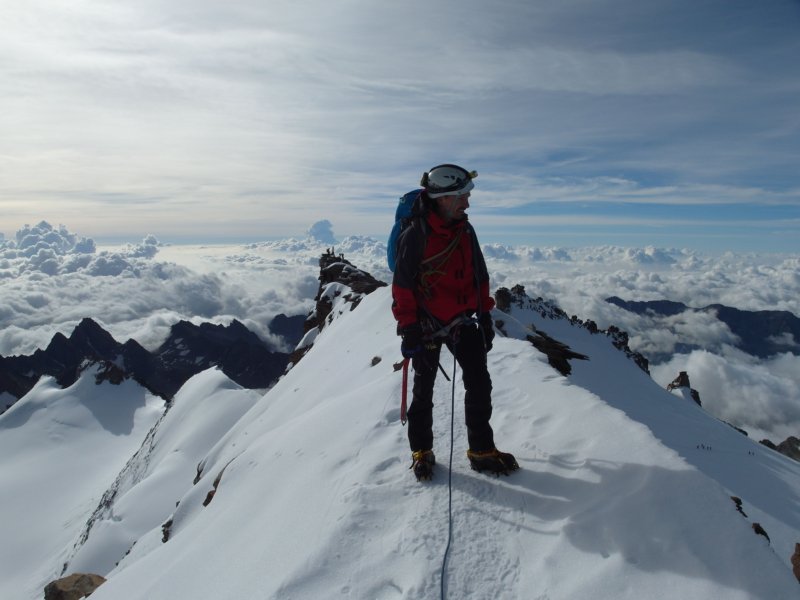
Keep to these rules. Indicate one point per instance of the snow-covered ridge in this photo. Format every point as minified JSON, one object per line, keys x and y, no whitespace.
{"x":159,"y":473}
{"x":624,"y":488}
{"x":324,"y":450}
{"x":548,"y":310}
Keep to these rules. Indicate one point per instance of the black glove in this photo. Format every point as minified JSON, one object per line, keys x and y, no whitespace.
{"x":412,"y":340}
{"x":487,"y":328}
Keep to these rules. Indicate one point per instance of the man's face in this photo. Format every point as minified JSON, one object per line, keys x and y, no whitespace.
{"x":453,"y":208}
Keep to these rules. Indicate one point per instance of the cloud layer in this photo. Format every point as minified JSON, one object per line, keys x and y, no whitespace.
{"x":50,"y":278}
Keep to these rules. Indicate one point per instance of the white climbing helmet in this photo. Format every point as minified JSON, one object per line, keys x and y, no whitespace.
{"x":447,"y":180}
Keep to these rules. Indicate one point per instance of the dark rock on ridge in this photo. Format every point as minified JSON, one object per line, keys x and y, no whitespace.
{"x":682,"y":381}
{"x":338,"y":277}
{"x":789,"y":447}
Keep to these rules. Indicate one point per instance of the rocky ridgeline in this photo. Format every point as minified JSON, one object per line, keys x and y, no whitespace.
{"x":557,"y":353}
{"x":188,"y":350}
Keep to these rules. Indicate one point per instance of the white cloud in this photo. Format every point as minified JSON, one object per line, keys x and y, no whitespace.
{"x":43,"y":248}
{"x":322,"y":231}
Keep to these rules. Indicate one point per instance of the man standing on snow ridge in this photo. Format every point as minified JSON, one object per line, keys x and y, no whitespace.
{"x":441,"y":295}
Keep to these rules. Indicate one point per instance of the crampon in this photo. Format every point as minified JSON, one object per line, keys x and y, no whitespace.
{"x":422,"y":462}
{"x":493,"y":461}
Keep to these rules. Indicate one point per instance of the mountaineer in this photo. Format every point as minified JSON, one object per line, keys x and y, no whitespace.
{"x":441,"y":296}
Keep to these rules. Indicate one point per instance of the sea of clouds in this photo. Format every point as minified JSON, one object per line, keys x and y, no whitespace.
{"x":51,"y":278}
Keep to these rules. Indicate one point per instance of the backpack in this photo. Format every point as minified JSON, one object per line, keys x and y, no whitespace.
{"x":407,"y":208}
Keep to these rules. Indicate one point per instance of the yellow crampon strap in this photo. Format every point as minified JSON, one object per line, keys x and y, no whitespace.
{"x":418,"y":456}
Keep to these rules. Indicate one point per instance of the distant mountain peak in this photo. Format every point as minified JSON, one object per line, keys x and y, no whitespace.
{"x":189,"y":349}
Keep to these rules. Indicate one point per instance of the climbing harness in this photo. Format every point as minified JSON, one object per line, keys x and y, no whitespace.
{"x":446,"y":331}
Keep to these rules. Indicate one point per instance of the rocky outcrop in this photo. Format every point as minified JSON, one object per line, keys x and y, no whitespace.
{"x":340,"y":283}
{"x":796,"y":561}
{"x":789,"y":447}
{"x":682,"y":382}
{"x":757,"y":528}
{"x":73,"y":587}
{"x":558,"y":354}
{"x":335,"y":269}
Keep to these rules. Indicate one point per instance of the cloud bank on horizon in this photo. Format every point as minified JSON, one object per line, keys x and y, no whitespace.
{"x":611,"y":122}
{"x":51,"y":278}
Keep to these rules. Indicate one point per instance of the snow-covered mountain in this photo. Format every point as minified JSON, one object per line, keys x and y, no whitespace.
{"x":304,"y":492}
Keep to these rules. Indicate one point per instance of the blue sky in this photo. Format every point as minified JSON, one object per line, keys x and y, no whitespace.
{"x":675,"y":124}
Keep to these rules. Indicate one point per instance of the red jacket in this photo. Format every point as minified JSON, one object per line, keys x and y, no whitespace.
{"x":455,"y":281}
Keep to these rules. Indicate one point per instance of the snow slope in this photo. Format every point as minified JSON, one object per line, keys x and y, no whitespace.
{"x":614,"y":499}
{"x":59,"y":451}
{"x":145,"y":493}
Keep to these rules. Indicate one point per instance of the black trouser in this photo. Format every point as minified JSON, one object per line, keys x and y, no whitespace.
{"x":467,"y":346}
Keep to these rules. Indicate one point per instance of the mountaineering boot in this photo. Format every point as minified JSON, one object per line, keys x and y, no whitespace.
{"x":422,"y":462}
{"x":493,"y":460}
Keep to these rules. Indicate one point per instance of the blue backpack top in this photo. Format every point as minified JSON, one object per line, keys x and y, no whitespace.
{"x":402,"y":217}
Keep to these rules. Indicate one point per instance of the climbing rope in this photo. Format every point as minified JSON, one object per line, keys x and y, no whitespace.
{"x":450,"y":475}
{"x":429,"y":270}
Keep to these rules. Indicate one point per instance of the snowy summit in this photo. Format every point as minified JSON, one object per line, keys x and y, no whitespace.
{"x":625,"y":489}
